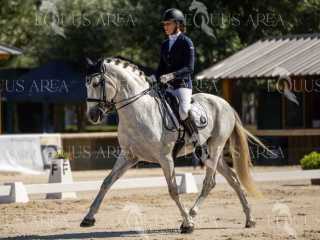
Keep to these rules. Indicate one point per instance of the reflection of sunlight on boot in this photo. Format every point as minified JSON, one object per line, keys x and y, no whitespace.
{"x":282,"y":211}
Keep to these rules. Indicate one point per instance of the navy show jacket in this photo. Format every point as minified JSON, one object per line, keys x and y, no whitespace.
{"x":179,"y":61}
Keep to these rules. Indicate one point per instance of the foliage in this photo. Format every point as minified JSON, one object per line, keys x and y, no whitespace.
{"x":311,"y":161}
{"x":131,"y":28}
{"x":61,"y":154}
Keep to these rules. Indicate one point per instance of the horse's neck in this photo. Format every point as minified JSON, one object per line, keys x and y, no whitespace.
{"x":143,"y":109}
{"x":129,"y":87}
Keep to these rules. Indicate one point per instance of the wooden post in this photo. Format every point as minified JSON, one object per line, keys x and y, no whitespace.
{"x":58,"y":117}
{"x":0,"y":113}
{"x":81,"y":117}
{"x":4,"y":56}
{"x":227,"y":89}
{"x":2,"y":89}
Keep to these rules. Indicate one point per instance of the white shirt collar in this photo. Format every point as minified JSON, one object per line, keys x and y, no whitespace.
{"x":174,"y":36}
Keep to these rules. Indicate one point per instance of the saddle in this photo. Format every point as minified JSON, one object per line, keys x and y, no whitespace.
{"x":197,"y":110}
{"x":172,"y":121}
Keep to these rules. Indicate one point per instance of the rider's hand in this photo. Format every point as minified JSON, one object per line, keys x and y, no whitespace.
{"x":166,"y":77}
{"x":152,"y":79}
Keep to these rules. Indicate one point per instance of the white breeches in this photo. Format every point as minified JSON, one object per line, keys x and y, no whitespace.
{"x":184,"y":95}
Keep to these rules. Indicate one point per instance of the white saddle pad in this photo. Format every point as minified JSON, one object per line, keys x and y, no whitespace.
{"x":198,"y":112}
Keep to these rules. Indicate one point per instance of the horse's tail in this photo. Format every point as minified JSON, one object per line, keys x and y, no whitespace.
{"x":239,"y":149}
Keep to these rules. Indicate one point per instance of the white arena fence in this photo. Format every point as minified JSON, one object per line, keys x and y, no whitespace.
{"x":186,"y":182}
{"x":27,"y":153}
{"x":32,"y":153}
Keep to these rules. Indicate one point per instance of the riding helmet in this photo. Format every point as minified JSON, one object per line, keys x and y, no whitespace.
{"x":175,"y":15}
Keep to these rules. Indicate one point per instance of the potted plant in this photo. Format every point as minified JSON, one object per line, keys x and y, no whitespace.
{"x":61,"y":155}
{"x":311,"y":161}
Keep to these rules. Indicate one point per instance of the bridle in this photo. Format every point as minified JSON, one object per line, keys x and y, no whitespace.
{"x":102,"y":101}
{"x":106,"y":106}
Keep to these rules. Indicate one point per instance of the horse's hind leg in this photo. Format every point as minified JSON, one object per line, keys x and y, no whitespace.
{"x":232,"y":179}
{"x":209,"y":183}
{"x":124,"y":162}
{"x":215,"y":151}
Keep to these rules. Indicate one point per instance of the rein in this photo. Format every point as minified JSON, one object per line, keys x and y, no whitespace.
{"x":104,"y":103}
{"x":106,"y":106}
{"x":132,"y":99}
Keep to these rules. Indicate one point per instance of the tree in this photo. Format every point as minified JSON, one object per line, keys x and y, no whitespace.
{"x":132,"y":29}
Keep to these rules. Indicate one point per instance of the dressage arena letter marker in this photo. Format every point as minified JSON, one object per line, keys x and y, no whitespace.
{"x":65,"y":166}
{"x":54,"y":167}
{"x":60,"y":172}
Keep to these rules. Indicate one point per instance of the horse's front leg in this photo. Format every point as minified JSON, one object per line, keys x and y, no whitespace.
{"x":167,"y":165}
{"x":124,"y":161}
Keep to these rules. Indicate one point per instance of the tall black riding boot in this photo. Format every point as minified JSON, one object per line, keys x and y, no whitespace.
{"x":191,"y":128}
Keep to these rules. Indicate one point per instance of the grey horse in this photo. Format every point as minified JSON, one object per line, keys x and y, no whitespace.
{"x":143,"y":137}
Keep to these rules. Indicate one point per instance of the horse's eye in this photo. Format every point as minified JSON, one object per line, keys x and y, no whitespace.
{"x":88,"y":80}
{"x":95,"y":84}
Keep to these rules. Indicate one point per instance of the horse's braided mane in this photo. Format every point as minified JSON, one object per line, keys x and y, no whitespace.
{"x":124,"y":63}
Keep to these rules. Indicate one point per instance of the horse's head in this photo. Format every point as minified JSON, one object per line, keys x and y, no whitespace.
{"x":101,"y":90}
{"x":110,"y":82}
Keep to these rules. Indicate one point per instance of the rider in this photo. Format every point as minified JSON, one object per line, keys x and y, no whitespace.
{"x":176,"y":66}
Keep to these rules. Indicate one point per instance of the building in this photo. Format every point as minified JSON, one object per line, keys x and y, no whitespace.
{"x":41,"y":99}
{"x":5,"y":53}
{"x":283,"y":106}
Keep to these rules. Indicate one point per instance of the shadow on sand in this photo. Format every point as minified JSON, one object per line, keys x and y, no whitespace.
{"x":104,"y":234}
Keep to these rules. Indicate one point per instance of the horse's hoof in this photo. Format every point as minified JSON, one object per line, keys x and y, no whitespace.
{"x":250,"y":224}
{"x":185,"y":230}
{"x":193,"y":212}
{"x":86,"y":222}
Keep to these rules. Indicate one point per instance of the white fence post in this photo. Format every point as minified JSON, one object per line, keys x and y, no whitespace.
{"x":18,"y":193}
{"x":188,"y":183}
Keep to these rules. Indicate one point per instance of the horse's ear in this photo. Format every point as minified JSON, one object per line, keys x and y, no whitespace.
{"x":89,"y":62}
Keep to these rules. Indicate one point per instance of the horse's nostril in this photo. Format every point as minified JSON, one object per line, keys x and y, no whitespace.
{"x":94,"y":115}
{"x":91,"y":114}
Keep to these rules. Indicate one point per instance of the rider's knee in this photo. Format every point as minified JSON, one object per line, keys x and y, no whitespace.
{"x":184,"y":112}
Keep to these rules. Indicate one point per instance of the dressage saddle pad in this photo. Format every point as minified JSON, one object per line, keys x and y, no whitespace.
{"x":198,"y":112}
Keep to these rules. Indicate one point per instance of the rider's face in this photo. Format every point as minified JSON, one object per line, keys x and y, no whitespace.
{"x":169,"y":27}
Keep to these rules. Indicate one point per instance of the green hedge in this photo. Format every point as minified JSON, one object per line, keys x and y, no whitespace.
{"x":311,"y":161}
